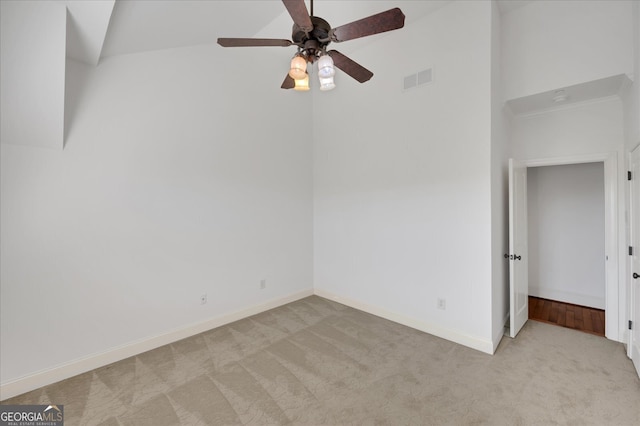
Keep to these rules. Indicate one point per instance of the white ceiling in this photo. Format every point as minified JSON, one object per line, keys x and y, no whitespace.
{"x":506,"y":6}
{"x":138,"y":26}
{"x":102,"y":28}
{"x":86,"y":28}
{"x":143,"y":25}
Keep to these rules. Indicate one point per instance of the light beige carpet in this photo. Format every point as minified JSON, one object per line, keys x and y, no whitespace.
{"x":316,"y":362}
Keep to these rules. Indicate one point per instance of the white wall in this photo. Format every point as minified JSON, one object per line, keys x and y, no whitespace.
{"x":402,"y":179}
{"x":631,"y":103}
{"x":587,"y":128}
{"x":553,"y":44}
{"x":566,"y":233}
{"x":632,"y":95}
{"x":581,"y":130}
{"x":32,"y":73}
{"x":174,"y":182}
{"x":499,"y":186}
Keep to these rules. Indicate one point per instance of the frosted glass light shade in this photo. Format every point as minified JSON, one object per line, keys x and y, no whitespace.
{"x":302,"y":84}
{"x":298,"y":68}
{"x":325,"y":67}
{"x":327,"y":83}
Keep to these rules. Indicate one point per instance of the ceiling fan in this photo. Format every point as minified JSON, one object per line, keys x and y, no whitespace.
{"x":312,"y":34}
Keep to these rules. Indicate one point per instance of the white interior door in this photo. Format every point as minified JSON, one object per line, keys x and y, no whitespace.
{"x":518,"y":253}
{"x":635,"y":258}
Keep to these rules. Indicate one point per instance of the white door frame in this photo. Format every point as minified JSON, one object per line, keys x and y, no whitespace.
{"x":612,"y":293}
{"x":632,"y":286}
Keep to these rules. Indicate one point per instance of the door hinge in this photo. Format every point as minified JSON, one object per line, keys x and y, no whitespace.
{"x":630,"y":325}
{"x":629,"y":175}
{"x":630,"y":251}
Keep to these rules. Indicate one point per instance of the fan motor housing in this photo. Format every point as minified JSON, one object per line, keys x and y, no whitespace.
{"x":320,"y":32}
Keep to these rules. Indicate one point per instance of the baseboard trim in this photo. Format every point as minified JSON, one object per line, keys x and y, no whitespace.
{"x":473,"y":342}
{"x":88,"y":363}
{"x":567,"y":297}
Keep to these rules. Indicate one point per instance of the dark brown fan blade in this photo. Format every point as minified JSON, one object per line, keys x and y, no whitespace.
{"x":350,"y":67}
{"x":299,"y":13}
{"x":288,"y":83}
{"x":252,"y":42}
{"x":392,"y":19}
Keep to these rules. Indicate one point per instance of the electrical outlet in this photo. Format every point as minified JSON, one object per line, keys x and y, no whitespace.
{"x":263,"y":284}
{"x":203,"y":299}
{"x":442,"y":304}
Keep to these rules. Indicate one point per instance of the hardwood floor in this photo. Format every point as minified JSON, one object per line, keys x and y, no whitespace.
{"x":589,"y":320}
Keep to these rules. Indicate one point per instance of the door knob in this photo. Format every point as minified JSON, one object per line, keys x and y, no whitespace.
{"x":635,"y":276}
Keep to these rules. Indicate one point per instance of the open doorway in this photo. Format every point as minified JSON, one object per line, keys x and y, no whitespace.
{"x":518,"y":238}
{"x":566,"y":245}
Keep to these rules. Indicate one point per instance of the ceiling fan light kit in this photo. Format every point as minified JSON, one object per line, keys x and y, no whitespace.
{"x":302,"y":84}
{"x":327,"y":84}
{"x":325,"y":67}
{"x":312,"y":35}
{"x":298,"y":68}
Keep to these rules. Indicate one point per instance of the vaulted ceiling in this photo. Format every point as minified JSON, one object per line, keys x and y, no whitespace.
{"x":143,"y":25}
